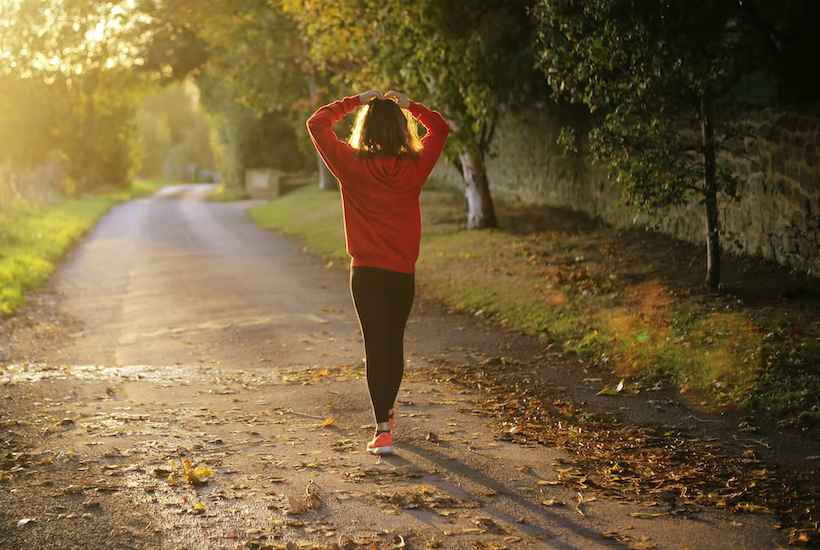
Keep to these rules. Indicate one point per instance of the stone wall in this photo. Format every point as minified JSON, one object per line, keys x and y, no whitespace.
{"x":778,"y":217}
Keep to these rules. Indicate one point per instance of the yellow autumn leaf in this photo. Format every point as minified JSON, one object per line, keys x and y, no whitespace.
{"x":203,"y":473}
{"x":328,"y":422}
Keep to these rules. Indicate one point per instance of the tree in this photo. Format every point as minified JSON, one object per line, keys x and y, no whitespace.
{"x":470,"y":59}
{"x":26,"y":114}
{"x":80,"y":55}
{"x":247,"y":60}
{"x":242,"y":139}
{"x":173,"y":132}
{"x":652,"y":72}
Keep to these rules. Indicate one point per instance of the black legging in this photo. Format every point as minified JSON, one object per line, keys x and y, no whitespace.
{"x":383,"y":300}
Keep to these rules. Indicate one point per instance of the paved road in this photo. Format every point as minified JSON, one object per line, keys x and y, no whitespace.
{"x":203,"y":338}
{"x":166,"y":271}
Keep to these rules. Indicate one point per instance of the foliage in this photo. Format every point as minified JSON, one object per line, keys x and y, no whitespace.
{"x":27,"y":109}
{"x":241,"y":139}
{"x":471,"y":60}
{"x":644,"y":72}
{"x":653,"y":75}
{"x":173,"y":132}
{"x":245,"y":57}
{"x":75,"y":57}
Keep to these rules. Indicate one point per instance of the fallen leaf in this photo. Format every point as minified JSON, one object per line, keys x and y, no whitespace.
{"x":297,"y":506}
{"x":196,"y":475}
{"x":584,"y":500}
{"x":753,"y":508}
{"x":548,"y":482}
{"x":608,"y":390}
{"x":799,"y":537}
{"x":328,"y":422}
{"x":25,"y":521}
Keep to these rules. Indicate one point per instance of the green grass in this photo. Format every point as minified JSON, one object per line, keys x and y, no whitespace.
{"x":311,"y":215}
{"x":228,"y":194}
{"x":35,"y":237}
{"x":713,"y":349}
{"x":143,"y":187}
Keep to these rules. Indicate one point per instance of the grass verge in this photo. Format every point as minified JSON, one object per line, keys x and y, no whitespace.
{"x":627,"y":300}
{"x":228,"y":194}
{"x":35,"y":237}
{"x":311,"y":215}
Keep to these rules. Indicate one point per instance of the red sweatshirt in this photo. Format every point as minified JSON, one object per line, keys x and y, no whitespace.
{"x":380,"y":195}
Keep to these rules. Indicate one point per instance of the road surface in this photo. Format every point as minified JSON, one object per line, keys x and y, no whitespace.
{"x":195,"y":336}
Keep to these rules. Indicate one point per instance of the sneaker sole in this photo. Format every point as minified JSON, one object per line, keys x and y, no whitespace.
{"x":381,"y":450}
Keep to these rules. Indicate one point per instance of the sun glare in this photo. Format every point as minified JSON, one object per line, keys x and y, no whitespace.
{"x":71,"y":38}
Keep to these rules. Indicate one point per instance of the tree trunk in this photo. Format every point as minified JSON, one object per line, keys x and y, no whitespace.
{"x":710,"y":198}
{"x":327,"y":181}
{"x":480,"y":210}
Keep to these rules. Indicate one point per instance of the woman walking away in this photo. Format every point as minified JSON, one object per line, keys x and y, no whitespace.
{"x":382,"y":169}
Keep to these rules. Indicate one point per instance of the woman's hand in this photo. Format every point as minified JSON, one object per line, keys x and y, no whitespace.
{"x":401,"y":99}
{"x":369,"y":95}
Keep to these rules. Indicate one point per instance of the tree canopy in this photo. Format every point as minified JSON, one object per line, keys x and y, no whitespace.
{"x":74,"y":59}
{"x":471,"y":60}
{"x":651,"y":74}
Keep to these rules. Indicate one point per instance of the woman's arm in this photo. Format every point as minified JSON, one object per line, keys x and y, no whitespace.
{"x":334,"y":152}
{"x":437,"y":130}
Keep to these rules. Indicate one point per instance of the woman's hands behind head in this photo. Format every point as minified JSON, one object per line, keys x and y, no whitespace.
{"x":398,"y":97}
{"x":370,"y":95}
{"x":401,"y":99}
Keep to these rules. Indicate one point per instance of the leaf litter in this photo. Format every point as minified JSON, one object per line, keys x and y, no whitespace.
{"x":422,"y":497}
{"x":660,"y":463}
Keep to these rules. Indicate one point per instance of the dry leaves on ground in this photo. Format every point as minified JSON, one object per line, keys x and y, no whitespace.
{"x":622,"y":461}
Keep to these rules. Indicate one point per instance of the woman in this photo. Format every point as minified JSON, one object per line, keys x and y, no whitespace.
{"x":381,"y":169}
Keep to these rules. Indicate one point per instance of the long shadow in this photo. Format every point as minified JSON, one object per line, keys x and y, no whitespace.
{"x":445,"y":463}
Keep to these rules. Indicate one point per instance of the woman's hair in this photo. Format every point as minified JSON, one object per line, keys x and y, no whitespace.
{"x":384,"y":129}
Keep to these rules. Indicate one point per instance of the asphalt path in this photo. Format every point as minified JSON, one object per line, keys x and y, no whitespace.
{"x":200,"y":337}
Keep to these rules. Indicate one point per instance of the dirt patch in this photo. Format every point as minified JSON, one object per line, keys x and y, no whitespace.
{"x":38,"y":332}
